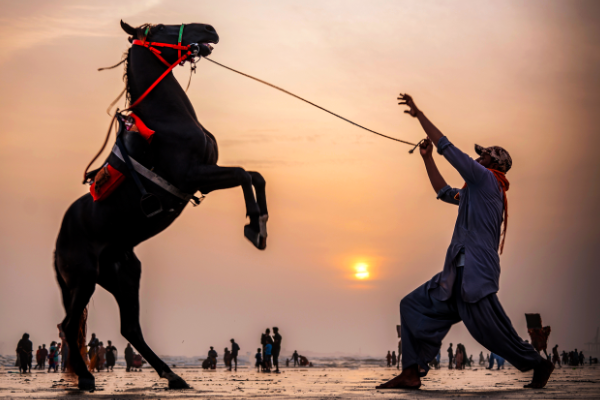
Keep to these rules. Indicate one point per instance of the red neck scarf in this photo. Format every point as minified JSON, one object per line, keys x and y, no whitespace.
{"x":504,"y":184}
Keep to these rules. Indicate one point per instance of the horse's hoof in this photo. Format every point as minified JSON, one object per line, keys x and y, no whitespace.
{"x":178,"y":383}
{"x":175,"y":381}
{"x":262,"y":222}
{"x":259,"y":241}
{"x":87,"y":384}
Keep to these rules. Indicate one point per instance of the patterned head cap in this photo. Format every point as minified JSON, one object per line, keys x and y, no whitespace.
{"x":498,"y":154}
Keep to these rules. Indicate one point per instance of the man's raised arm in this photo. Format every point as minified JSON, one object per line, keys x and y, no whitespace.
{"x":432,"y":132}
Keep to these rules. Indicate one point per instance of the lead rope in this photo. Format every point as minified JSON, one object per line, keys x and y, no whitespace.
{"x":313,"y":104}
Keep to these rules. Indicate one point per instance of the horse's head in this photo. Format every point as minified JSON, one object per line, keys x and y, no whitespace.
{"x":201,"y":34}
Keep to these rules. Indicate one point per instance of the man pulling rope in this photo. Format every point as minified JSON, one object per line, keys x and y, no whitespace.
{"x":466,"y":288}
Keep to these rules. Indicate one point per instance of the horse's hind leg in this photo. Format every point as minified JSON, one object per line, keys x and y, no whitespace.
{"x":77,"y":291}
{"x":120,"y":272}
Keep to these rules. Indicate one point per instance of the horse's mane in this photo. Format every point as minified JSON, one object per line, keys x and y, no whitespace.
{"x":140,"y":36}
{"x":126,"y":76}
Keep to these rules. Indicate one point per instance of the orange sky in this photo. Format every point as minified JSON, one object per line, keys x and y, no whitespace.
{"x":522,"y":75}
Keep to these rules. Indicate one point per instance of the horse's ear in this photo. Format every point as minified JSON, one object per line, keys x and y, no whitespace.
{"x":129,"y":29}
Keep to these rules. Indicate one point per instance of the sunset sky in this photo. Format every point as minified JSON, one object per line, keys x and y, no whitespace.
{"x":521,"y":75}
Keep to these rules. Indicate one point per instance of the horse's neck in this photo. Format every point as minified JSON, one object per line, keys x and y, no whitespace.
{"x":167,"y":101}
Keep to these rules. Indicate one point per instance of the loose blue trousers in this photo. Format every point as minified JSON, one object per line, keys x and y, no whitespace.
{"x":426,"y":321}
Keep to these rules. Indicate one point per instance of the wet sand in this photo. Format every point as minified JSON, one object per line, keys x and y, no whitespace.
{"x":304,"y":383}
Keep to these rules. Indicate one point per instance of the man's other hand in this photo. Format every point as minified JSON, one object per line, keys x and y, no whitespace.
{"x":407,"y":100}
{"x":426,"y":148}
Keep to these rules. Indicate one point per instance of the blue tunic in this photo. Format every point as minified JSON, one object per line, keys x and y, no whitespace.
{"x":477,"y":229}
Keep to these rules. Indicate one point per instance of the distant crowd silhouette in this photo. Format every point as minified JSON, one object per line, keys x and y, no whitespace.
{"x":458,"y":359}
{"x":96,"y":356}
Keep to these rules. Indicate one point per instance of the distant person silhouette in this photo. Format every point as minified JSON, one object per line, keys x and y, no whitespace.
{"x":450,"y":356}
{"x":92,"y":352}
{"x":556,"y":356}
{"x":111,"y":356}
{"x":57,"y":354}
{"x":394,"y":359}
{"x":44,"y":355}
{"x":399,"y":351}
{"x":264,"y":339}
{"x":52,"y":357}
{"x":101,"y":356}
{"x":227,"y":358}
{"x":267,"y":356}
{"x":235,"y":348}
{"x":128,"y":356}
{"x":276,"y":348}
{"x":258,"y":358}
{"x":500,"y":361}
{"x":481,"y":358}
{"x":25,"y":352}
{"x":459,"y":357}
{"x":581,"y":359}
{"x":295,"y":358}
{"x":38,"y":361}
{"x":212,"y":356}
{"x":388,"y":358}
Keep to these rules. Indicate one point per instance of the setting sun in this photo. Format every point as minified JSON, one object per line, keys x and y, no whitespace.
{"x":362,"y":271}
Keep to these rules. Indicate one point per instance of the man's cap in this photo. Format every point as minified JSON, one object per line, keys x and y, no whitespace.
{"x":498,"y":154}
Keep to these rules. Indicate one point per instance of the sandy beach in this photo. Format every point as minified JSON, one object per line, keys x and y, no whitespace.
{"x":306,"y":383}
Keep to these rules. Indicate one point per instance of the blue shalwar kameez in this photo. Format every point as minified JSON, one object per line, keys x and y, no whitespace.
{"x":466,"y":288}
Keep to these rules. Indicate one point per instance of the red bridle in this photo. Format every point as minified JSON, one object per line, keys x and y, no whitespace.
{"x":152,"y":46}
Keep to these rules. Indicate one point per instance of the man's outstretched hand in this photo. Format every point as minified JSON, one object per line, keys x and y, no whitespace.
{"x":406,"y":99}
{"x":426,"y":148}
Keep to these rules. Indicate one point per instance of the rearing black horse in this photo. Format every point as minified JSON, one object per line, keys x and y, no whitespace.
{"x":96,"y":240}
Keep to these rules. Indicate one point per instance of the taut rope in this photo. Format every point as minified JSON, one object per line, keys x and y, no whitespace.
{"x":313,"y":104}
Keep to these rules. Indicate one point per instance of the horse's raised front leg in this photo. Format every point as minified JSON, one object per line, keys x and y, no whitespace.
{"x":259,"y":184}
{"x":120,"y":272}
{"x":213,"y":177}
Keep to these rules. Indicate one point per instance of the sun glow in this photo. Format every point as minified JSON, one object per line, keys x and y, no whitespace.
{"x":362,"y":271}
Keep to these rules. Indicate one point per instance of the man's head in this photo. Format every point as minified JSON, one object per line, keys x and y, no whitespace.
{"x":109,"y":343}
{"x":93,"y":335}
{"x":494,"y":157}
{"x":232,"y":341}
{"x":211,"y":347}
{"x":40,"y":347}
{"x":43,"y":346}
{"x":268,"y":331}
{"x":275,"y":329}
{"x":26,"y":336}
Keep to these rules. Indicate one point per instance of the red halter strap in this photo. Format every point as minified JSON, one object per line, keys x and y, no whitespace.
{"x":152,"y":47}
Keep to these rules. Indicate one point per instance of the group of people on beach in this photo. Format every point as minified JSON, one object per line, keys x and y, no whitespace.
{"x":230,"y":358}
{"x":459,"y":359}
{"x":267,"y":357}
{"x":57,"y":355}
{"x":97,"y":356}
{"x":100,"y":357}
{"x":571,"y":358}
